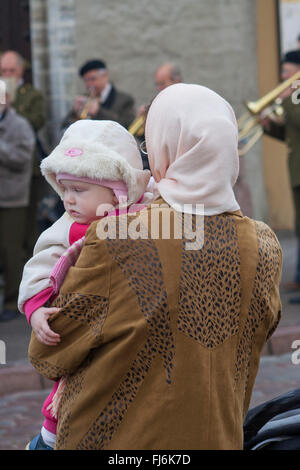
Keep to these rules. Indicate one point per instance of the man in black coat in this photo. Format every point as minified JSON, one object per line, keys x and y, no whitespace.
{"x":104,"y":101}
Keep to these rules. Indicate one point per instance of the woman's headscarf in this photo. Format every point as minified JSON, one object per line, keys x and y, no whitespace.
{"x":192,"y":144}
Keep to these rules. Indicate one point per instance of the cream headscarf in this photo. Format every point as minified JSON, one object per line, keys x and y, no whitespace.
{"x":192,"y":143}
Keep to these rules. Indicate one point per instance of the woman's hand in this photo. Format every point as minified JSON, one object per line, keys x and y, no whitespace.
{"x":40,"y":326}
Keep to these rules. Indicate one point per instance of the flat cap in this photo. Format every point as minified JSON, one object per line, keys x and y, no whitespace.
{"x":292,"y":57}
{"x":94,"y":64}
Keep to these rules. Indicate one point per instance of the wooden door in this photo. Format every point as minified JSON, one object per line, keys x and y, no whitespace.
{"x":15,"y":30}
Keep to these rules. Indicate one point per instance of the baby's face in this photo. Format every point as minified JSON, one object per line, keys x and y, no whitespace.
{"x":81,"y":200}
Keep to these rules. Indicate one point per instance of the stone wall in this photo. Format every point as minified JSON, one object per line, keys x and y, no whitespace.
{"x":213,"y":42}
{"x":54,"y":57}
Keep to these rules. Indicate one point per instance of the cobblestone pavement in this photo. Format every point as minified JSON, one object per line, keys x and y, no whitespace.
{"x":276,"y":375}
{"x":21,"y":419}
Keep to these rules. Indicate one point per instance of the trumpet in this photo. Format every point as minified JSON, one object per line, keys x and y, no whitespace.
{"x":84,"y":114}
{"x":250,"y":129}
{"x":137,"y":127}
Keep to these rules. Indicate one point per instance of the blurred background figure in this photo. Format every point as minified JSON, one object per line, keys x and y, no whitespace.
{"x":287,"y":130}
{"x":29,"y":103}
{"x":104,"y":100}
{"x":17,"y":141}
{"x":165,"y":75}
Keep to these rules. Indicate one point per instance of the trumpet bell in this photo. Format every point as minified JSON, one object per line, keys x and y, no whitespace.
{"x":270,"y":105}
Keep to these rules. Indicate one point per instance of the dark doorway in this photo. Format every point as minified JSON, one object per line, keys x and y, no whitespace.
{"x":15,"y":30}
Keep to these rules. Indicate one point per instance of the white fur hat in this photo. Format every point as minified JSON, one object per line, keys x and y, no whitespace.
{"x":98,"y":150}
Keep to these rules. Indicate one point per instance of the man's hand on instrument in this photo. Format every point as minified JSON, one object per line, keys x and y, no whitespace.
{"x":93,"y":107}
{"x":79,"y":103}
{"x":265,"y":121}
{"x":286,"y":93}
{"x":141,"y":110}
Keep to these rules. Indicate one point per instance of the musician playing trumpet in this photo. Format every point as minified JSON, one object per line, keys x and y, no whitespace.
{"x":165,"y":75}
{"x":287,"y":129}
{"x":103,"y":100}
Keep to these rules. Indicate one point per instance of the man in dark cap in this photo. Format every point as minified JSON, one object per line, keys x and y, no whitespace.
{"x":104,"y":101}
{"x":289,"y":132}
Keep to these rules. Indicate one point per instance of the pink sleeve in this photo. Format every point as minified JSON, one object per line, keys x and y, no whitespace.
{"x":76,"y":232}
{"x":37,"y":301}
{"x":50,"y":423}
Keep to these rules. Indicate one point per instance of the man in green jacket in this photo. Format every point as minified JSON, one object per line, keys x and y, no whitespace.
{"x":289,"y":131}
{"x":29,"y":103}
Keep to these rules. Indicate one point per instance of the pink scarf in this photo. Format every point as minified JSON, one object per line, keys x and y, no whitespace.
{"x":192,"y":143}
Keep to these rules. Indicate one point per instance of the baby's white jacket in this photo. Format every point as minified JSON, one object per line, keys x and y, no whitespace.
{"x":49,"y":247}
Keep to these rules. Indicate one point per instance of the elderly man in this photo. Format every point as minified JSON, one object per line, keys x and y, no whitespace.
{"x":104,"y":101}
{"x":167,"y":74}
{"x":16,"y":152}
{"x":28,"y":103}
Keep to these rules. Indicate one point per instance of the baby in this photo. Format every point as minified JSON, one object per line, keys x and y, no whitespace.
{"x":96,"y":163}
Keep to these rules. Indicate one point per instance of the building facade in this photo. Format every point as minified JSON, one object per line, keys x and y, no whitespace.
{"x":218,"y":44}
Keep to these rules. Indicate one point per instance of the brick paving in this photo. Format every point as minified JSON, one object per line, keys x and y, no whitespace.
{"x":20,"y":418}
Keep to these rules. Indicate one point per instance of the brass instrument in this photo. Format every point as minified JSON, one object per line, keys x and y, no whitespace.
{"x":84,"y":112}
{"x":137,"y":127}
{"x":250,"y":129}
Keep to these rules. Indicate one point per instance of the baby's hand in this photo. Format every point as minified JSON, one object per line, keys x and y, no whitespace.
{"x":39,"y":323}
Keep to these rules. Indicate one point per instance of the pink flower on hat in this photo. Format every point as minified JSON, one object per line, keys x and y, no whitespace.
{"x":74,"y":152}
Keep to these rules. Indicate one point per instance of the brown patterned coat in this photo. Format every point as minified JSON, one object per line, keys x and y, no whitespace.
{"x":161,"y":343}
